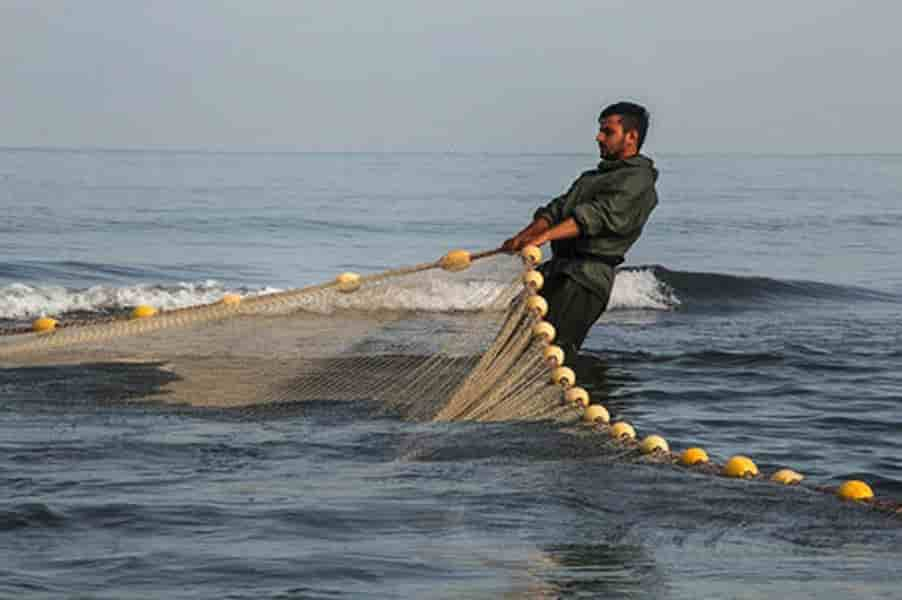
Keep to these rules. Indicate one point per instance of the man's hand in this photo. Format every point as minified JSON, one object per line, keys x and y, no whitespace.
{"x":514,"y":244}
{"x":527,"y":236}
{"x":565,"y":230}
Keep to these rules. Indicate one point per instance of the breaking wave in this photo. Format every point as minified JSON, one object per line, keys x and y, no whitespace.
{"x":636,"y":288}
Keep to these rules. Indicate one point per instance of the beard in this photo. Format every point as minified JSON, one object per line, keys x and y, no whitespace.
{"x":608,"y":152}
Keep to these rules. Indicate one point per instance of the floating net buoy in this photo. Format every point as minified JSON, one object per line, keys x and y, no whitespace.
{"x":787,"y":477}
{"x":740,"y":466}
{"x":595,"y":413}
{"x":578,"y":396}
{"x":554,"y":356}
{"x":144,"y":311}
{"x":654,"y":443}
{"x":348,"y":282}
{"x":855,"y":490}
{"x":533,"y":280}
{"x":455,"y":260}
{"x":563,"y":376}
{"x":532,"y":255}
{"x":537,"y":305}
{"x":623,"y":430}
{"x":693,"y":456}
{"x":43,"y":325}
{"x":231,"y":299}
{"x":544,"y":330}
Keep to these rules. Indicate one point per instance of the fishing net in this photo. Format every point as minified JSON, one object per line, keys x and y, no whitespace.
{"x":461,"y":338}
{"x":455,"y":339}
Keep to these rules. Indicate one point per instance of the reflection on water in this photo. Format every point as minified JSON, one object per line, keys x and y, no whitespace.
{"x":603,"y":570}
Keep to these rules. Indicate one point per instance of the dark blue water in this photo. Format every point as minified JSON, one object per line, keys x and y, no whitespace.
{"x":759,"y":314}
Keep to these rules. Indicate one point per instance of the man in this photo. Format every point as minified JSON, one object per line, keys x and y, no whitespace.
{"x":592,"y":226}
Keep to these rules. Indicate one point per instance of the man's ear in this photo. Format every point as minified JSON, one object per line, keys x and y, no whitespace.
{"x":632,"y":136}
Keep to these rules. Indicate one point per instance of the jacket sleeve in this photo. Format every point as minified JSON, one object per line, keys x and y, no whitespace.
{"x":618,"y":209}
{"x":553,"y":211}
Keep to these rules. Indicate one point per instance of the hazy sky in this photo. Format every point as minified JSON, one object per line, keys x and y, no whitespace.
{"x":504,"y":75}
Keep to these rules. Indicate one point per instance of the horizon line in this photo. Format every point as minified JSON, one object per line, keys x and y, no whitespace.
{"x":238,"y":151}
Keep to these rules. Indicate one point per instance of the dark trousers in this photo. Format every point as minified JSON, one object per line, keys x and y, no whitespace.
{"x":572,"y":309}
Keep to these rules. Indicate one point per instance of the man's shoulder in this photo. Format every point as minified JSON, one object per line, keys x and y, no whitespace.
{"x":639,"y":170}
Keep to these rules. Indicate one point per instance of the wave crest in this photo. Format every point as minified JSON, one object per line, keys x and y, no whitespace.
{"x":652,"y":288}
{"x":20,"y":301}
{"x":640,"y":289}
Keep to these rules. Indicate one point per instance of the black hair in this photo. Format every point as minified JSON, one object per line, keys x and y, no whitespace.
{"x":634,"y":116}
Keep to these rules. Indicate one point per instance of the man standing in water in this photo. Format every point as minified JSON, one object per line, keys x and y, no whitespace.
{"x":592,"y":225}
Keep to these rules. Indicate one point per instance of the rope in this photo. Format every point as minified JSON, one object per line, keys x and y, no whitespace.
{"x":104,"y":328}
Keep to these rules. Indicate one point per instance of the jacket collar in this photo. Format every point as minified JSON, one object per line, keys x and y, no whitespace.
{"x":638,"y":160}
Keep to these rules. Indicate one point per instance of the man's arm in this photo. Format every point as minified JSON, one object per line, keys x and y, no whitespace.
{"x":539,"y":226}
{"x":541,"y":232}
{"x":565,"y":230}
{"x":618,"y":210}
{"x":543,"y":220}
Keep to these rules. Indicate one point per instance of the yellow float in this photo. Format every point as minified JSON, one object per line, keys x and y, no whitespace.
{"x":537,"y":305}
{"x":531,"y":255}
{"x":578,"y":396}
{"x":654,"y":443}
{"x":693,"y":456}
{"x":855,"y":490}
{"x":563,"y":376}
{"x":231,"y":299}
{"x":144,"y":311}
{"x":456,"y":260}
{"x":544,"y":330}
{"x":595,"y":413}
{"x":787,"y":477}
{"x":740,"y":466}
{"x":348,"y":282}
{"x":43,"y":325}
{"x":623,"y":430}
{"x":554,"y":356}
{"x":533,"y":280}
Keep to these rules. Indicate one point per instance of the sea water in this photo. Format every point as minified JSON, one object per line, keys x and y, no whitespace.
{"x":760,"y":313}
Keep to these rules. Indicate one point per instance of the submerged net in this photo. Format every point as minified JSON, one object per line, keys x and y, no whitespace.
{"x":428,"y":342}
{"x":458,"y":339}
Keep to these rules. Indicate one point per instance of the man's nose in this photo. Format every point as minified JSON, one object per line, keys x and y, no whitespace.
{"x":599,"y":138}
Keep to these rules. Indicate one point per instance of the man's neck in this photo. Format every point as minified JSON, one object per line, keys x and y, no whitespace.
{"x":623,"y":156}
{"x":627,"y":155}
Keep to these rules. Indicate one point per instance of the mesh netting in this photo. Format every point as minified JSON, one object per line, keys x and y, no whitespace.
{"x":428,"y":342}
{"x":424,"y":342}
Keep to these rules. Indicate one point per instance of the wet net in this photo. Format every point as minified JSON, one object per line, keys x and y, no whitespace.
{"x":460,"y":338}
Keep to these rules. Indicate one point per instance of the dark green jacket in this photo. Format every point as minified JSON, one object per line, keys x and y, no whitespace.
{"x":611,"y":205}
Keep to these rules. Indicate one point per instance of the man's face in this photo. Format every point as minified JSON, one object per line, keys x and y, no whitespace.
{"x":612,"y":142}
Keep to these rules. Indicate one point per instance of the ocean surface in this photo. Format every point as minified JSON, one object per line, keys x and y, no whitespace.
{"x":760,"y":314}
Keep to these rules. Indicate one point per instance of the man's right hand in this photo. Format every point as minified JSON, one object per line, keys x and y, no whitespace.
{"x":514,"y":244}
{"x":534,"y":230}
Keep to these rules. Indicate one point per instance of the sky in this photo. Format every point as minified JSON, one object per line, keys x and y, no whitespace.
{"x":801,"y":76}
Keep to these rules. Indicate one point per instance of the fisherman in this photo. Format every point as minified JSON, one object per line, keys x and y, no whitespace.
{"x":592,"y":225}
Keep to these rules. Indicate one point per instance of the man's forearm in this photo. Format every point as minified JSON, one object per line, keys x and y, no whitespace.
{"x":537,"y":227}
{"x":564,"y":230}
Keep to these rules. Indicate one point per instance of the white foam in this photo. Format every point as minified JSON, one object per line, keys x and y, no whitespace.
{"x":632,"y":290}
{"x":430,"y":294}
{"x":641,"y":290}
{"x":20,"y":301}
